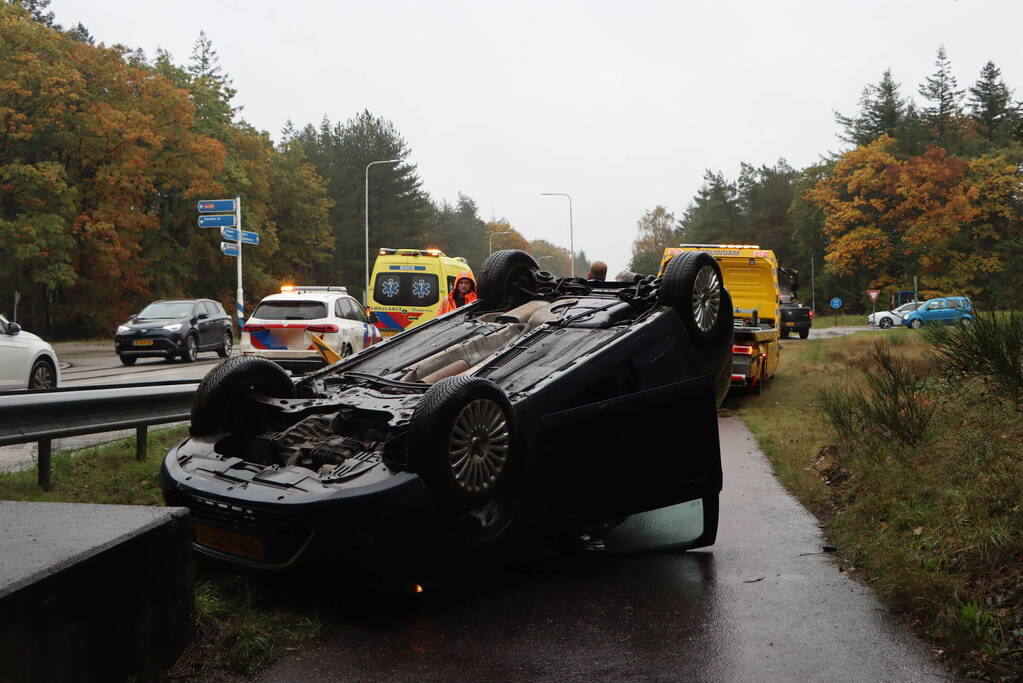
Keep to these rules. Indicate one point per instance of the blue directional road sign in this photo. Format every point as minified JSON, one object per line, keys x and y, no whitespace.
{"x":836,"y":303}
{"x":229,"y":248}
{"x":219,"y":221}
{"x":232,"y":234}
{"x":216,"y":205}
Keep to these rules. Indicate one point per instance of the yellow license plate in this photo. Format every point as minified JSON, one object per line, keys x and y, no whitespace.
{"x":143,"y":342}
{"x":790,"y":324}
{"x":231,"y":542}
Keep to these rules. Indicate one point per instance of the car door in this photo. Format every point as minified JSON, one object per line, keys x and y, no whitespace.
{"x":207,"y":325}
{"x":13,"y":360}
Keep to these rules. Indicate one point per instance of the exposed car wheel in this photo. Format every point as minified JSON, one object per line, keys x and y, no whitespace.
{"x":915,"y":324}
{"x":885,"y":323}
{"x":784,"y":333}
{"x":347,"y":350}
{"x":128,"y":360}
{"x":222,"y":401}
{"x":803,"y":334}
{"x":461,"y":441}
{"x":692,"y":285}
{"x":506,"y":279}
{"x":189,"y":349}
{"x":225,"y":349}
{"x":42,"y":376}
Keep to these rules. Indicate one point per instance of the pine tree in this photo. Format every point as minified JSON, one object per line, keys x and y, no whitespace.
{"x":991,"y":105}
{"x":883,"y":111}
{"x":81,"y":34}
{"x":940,"y":89}
{"x":39,"y":11}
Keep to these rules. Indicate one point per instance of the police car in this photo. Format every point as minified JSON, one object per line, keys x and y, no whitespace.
{"x":282,"y":326}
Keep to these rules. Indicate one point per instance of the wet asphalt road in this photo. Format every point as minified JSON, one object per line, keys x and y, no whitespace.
{"x":762,"y":604}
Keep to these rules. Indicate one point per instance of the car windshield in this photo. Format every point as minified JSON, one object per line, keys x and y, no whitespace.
{"x":291,"y":310}
{"x":167,"y":309}
{"x":906,"y":308}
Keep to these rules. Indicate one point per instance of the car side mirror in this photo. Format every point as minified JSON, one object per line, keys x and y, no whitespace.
{"x":13,"y":328}
{"x":203,"y":316}
{"x":373,"y":319}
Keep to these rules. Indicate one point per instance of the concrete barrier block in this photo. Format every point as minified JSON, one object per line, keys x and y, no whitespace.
{"x":93,"y":592}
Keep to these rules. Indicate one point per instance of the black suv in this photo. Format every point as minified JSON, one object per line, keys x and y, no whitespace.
{"x":179,"y":328}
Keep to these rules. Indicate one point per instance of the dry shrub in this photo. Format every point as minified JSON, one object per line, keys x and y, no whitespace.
{"x":892,"y":404}
{"x":990,"y":347}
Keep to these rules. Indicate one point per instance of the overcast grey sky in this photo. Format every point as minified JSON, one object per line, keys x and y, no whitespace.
{"x":621,"y":104}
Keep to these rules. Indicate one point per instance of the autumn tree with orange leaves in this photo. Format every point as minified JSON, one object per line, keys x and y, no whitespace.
{"x":948,"y":220}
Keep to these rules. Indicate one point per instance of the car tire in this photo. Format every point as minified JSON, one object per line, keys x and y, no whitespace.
{"x":225,"y":349}
{"x":347,"y":350}
{"x":692,"y":285}
{"x":128,"y":360}
{"x":505,"y":275}
{"x":221,"y":401}
{"x":885,"y":323}
{"x":189,"y":349}
{"x":462,"y":440}
{"x":43,"y":375}
{"x":803,"y":334}
{"x":915,"y":324}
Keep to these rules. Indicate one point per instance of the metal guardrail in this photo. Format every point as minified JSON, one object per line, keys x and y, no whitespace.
{"x":44,"y":415}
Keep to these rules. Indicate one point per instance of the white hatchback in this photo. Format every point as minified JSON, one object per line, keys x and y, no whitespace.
{"x":26,"y":361}
{"x":894,"y":318}
{"x":282,"y":326}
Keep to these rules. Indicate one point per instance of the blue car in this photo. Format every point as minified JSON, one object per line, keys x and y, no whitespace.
{"x":947,"y":310}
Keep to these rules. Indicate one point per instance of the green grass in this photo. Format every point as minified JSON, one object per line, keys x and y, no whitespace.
{"x":242,"y":623}
{"x":934,"y":527}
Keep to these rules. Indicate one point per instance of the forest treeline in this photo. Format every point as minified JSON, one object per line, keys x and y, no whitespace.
{"x":105,"y":151}
{"x":929,"y":188}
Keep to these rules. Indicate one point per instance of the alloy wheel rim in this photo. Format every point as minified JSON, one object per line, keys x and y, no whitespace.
{"x":42,"y":378}
{"x":706,"y":298}
{"x":478,"y":446}
{"x":227,"y":345}
{"x":192,"y":348}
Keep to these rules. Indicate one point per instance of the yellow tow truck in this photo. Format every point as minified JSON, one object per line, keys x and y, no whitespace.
{"x":751,"y":277}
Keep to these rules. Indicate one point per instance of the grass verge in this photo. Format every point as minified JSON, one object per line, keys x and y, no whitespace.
{"x":933,"y":523}
{"x":242,"y":624}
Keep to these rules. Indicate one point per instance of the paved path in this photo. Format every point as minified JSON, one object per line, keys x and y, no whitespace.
{"x":763,"y":604}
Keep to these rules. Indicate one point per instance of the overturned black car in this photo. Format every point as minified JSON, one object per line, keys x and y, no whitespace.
{"x":549,"y":407}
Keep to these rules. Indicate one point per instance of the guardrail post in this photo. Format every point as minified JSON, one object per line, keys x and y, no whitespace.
{"x":44,"y":464}
{"x":140,"y":442}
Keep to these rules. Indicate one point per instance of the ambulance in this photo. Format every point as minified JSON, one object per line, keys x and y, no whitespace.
{"x":750,"y":275}
{"x":408,"y":286}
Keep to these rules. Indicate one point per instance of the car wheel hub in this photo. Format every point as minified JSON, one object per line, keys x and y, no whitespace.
{"x":478,"y":447}
{"x":706,"y":298}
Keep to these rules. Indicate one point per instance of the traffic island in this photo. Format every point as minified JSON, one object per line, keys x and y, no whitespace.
{"x":93,"y":592}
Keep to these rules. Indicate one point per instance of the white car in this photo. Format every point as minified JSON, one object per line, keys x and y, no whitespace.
{"x":26,"y":361}
{"x":886,"y":319}
{"x":282,"y":326}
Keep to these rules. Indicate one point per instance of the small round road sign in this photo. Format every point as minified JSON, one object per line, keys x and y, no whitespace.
{"x":836,"y":303}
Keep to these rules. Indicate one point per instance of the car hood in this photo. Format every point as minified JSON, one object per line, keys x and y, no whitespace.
{"x":28,"y":335}
{"x":150,"y":323}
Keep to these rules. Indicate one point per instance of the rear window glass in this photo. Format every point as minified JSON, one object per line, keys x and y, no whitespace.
{"x":405,"y":289}
{"x":291,"y":310}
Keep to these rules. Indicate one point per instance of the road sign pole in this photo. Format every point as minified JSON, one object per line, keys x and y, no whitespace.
{"x":240,"y":300}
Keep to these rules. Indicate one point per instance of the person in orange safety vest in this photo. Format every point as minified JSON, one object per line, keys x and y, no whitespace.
{"x":463,"y":293}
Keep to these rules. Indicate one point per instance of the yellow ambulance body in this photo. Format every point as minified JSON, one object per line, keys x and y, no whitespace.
{"x":408,"y":285}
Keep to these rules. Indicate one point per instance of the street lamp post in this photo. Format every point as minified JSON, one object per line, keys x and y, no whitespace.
{"x":492,"y":236}
{"x":571,"y":242}
{"x":365,"y":293}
